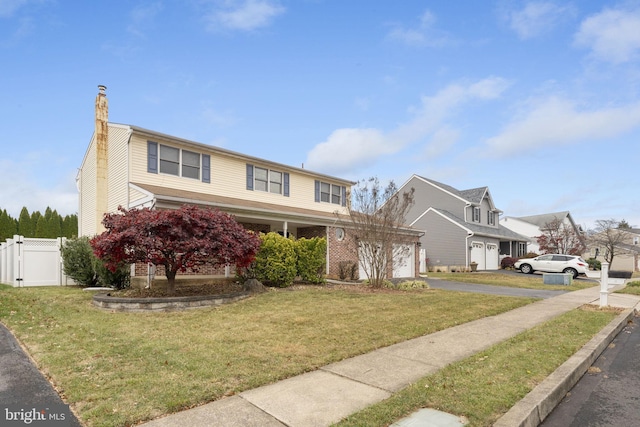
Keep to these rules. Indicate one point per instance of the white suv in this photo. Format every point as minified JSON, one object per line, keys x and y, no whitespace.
{"x":553,"y":263}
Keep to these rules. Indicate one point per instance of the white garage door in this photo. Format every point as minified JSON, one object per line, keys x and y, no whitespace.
{"x":404,"y":264}
{"x":477,"y":254}
{"x":492,"y":256}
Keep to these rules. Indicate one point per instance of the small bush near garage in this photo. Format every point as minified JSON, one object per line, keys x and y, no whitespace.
{"x":311,"y":259}
{"x":275,"y":263}
{"x":507,"y":263}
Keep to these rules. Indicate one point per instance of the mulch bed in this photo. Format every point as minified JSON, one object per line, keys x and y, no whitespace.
{"x":217,"y":288}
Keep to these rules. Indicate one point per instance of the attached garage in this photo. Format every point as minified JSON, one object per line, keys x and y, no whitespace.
{"x":477,"y":254}
{"x":486,"y":255}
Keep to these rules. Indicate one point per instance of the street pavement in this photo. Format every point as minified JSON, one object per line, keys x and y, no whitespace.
{"x":608,"y":395}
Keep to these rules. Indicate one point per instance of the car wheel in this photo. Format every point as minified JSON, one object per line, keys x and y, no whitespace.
{"x":526,"y":269}
{"x":571,"y":271}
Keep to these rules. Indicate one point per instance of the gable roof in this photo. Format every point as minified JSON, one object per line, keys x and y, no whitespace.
{"x":502,"y":233}
{"x":543,"y":219}
{"x":211,"y":148}
{"x":472,"y":196}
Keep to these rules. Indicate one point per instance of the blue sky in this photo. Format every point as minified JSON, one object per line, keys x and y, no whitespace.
{"x":539,"y":101}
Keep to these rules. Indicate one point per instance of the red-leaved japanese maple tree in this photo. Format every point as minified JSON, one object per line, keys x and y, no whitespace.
{"x":179,"y":239}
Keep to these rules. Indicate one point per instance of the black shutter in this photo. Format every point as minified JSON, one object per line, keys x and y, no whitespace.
{"x":285,"y":190}
{"x":206,"y":168}
{"x":152,"y":157}
{"x":249,"y":177}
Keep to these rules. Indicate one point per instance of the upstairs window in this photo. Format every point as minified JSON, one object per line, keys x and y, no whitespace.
{"x":169,"y":160}
{"x":331,"y":193}
{"x":491,"y":218}
{"x":174,"y":161}
{"x":263,"y":179}
{"x":476,"y":214}
{"x":190,"y":164}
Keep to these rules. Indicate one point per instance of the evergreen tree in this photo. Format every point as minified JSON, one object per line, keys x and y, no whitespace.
{"x":70,"y":226}
{"x":8,"y":226}
{"x":26,"y":227}
{"x":41,"y":227}
{"x":54,"y":225}
{"x":35,"y":216}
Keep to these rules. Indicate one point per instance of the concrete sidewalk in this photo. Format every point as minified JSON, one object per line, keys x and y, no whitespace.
{"x":325,"y":396}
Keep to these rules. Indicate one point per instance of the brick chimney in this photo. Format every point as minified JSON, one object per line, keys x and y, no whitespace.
{"x":101,"y":137}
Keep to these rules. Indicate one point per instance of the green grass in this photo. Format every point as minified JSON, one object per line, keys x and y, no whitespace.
{"x":632,"y":288}
{"x":119,"y":369}
{"x":486,"y":385}
{"x":526,"y":281}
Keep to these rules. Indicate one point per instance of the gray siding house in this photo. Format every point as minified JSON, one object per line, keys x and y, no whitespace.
{"x":461,"y":227}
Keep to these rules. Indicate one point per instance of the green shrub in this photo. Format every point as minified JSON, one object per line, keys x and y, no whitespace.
{"x":635,"y":284}
{"x":78,"y":262}
{"x":594,"y":264}
{"x":275,"y":263}
{"x":347,"y":270}
{"x":311,"y":259}
{"x":119,"y":279}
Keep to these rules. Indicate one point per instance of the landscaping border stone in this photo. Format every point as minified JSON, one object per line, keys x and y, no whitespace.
{"x":108,"y":302}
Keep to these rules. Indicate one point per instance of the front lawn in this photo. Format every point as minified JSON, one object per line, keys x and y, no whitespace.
{"x":486,"y":385}
{"x":119,"y":369}
{"x":528,"y":281}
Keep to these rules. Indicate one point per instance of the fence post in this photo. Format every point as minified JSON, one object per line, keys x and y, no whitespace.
{"x":604,"y":284}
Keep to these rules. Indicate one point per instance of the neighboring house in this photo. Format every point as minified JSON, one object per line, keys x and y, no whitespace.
{"x":133,"y":167}
{"x":627,"y":254}
{"x":531,"y":226}
{"x":460,"y":227}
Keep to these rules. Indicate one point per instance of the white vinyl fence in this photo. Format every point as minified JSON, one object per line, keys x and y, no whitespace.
{"x":32,"y":262}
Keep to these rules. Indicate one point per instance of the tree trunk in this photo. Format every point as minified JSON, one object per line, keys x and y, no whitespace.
{"x":171,"y":281}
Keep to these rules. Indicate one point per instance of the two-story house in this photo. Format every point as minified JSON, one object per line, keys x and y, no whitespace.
{"x":129,"y":166}
{"x":532,"y":226}
{"x":461,"y":227}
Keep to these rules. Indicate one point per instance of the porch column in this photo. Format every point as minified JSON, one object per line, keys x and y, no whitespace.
{"x":285,"y":229}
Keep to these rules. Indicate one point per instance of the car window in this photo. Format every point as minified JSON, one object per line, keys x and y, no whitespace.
{"x":545,"y":258}
{"x":560,"y":258}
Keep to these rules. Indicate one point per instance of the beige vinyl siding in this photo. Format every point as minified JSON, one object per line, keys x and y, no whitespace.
{"x":87,"y":219}
{"x":117,"y":168}
{"x":135,"y":195}
{"x":228,"y":178}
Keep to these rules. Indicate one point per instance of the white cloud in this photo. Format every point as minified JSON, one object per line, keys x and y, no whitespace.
{"x":353,"y":148}
{"x":425,"y":34}
{"x":557,"y":121}
{"x":536,"y":18}
{"x":246,"y":15}
{"x":349,"y":148}
{"x":613,"y":35}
